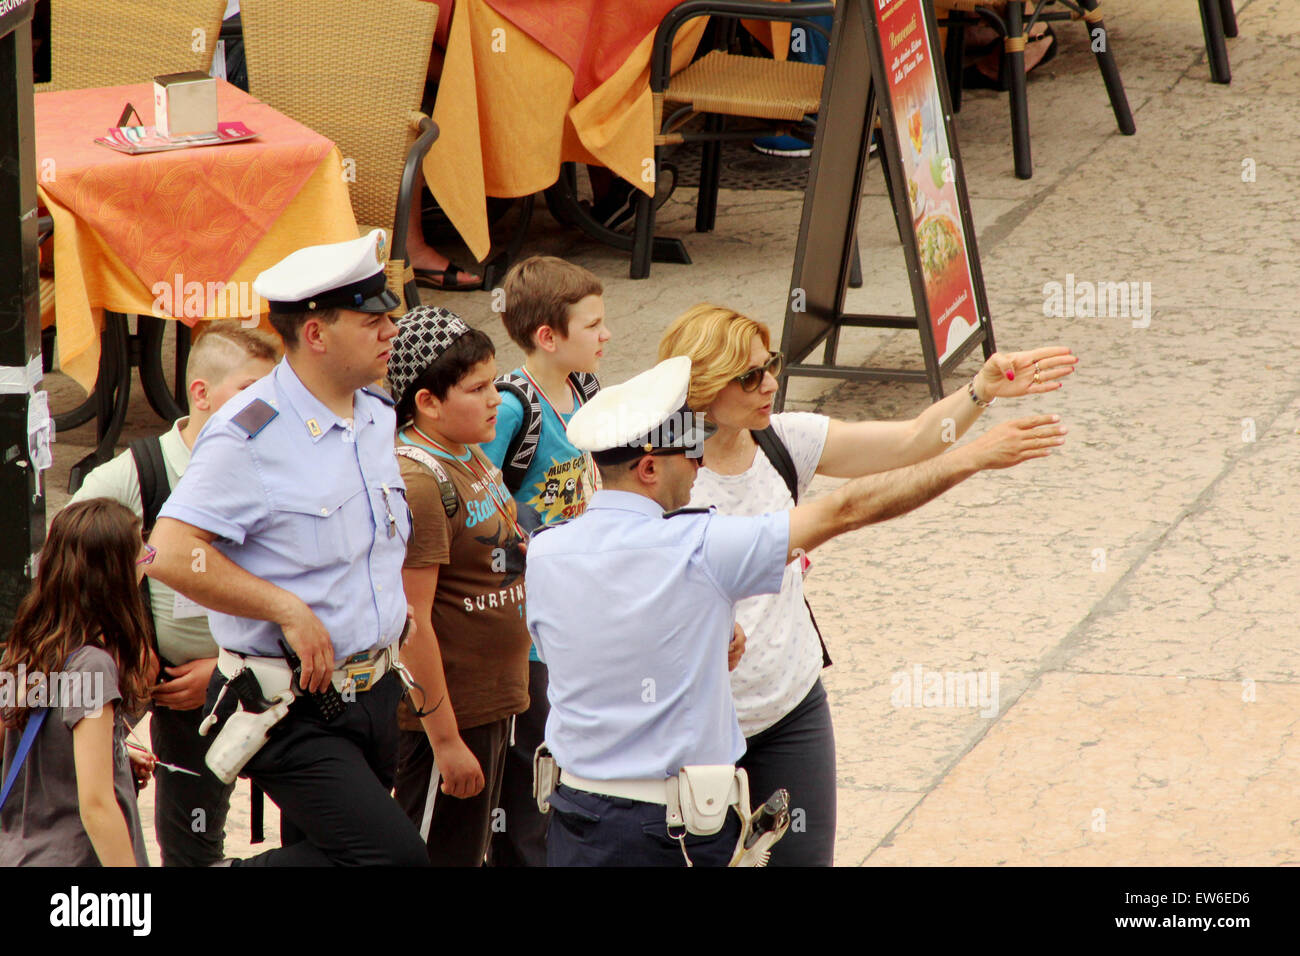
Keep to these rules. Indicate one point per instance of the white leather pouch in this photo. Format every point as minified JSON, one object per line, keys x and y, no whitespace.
{"x":546,"y":775}
{"x":705,"y":792}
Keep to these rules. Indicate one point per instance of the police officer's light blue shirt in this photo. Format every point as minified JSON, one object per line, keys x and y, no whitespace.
{"x":305,"y":505}
{"x":632,"y":613}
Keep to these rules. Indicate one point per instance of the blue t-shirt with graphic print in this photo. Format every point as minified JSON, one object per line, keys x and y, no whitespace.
{"x":557,"y":483}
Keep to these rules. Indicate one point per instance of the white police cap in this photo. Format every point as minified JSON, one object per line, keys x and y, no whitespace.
{"x":339,"y":275}
{"x":645,"y":414}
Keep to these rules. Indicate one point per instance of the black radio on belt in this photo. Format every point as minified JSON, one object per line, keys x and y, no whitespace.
{"x":328,"y":703}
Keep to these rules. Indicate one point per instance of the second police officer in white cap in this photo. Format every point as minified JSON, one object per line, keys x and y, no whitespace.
{"x":291,"y":524}
{"x":631,"y":606}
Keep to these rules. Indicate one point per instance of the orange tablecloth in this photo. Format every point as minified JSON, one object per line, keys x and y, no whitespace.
{"x":510,"y":111}
{"x":215,"y":214}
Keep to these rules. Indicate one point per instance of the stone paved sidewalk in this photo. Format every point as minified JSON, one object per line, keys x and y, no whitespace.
{"x":1134,"y":596}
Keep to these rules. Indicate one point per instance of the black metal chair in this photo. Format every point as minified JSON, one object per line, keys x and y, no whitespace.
{"x":718,"y":85}
{"x":1009,"y":19}
{"x":1218,"y":20}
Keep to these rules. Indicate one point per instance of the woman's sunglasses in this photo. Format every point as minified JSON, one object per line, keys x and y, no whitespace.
{"x":150,"y":552}
{"x":754,"y":377}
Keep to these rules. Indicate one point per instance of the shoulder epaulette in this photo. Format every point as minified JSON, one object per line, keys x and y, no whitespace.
{"x":376,"y":392}
{"x":690,"y":511}
{"x":548,"y":527}
{"x":255,"y":417}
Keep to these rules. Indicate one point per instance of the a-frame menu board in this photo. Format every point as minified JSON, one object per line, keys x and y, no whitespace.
{"x":885,"y":59}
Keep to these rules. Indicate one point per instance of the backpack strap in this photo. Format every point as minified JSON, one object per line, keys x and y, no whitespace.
{"x":768,"y":440}
{"x":522,"y":447}
{"x":152,"y":471}
{"x":776,"y":452}
{"x":25,"y":742}
{"x":155,"y":489}
{"x":446,"y":490}
{"x":586,"y":384}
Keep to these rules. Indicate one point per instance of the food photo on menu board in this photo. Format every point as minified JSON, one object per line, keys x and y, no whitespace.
{"x":928,"y":169}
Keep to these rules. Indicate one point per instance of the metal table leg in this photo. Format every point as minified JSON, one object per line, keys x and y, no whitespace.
{"x":562,"y":199}
{"x":149,"y":336}
{"x":495,"y":268}
{"x":113,"y":392}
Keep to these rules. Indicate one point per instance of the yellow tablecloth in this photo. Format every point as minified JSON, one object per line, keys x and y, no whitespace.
{"x":205,"y":215}
{"x":508,"y":117}
{"x":89,"y":277}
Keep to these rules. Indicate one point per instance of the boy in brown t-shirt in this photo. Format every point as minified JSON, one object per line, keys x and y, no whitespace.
{"x":464,"y":576}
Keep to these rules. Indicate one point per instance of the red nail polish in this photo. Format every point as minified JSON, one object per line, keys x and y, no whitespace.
{"x":1011,"y":376}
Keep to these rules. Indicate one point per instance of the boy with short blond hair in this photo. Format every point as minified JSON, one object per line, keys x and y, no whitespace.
{"x":539,"y":291}
{"x":225,"y":360}
{"x":555,"y":312}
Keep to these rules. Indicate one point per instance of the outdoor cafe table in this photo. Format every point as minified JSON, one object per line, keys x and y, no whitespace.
{"x":212,"y":214}
{"x":528,"y":85}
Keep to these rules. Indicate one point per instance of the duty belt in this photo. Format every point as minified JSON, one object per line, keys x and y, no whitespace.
{"x":695,"y":800}
{"x":359,"y":673}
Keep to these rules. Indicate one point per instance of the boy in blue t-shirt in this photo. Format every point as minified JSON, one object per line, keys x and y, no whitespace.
{"x":555,"y":312}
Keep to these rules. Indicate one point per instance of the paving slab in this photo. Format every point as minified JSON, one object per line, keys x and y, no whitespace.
{"x":1116,"y":770}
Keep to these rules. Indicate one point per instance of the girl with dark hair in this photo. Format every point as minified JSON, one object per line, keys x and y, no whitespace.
{"x":79,"y":650}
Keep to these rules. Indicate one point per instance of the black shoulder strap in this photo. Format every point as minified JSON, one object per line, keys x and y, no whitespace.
{"x":152,"y":470}
{"x":522,"y":446}
{"x":779,"y":456}
{"x":586,"y":384}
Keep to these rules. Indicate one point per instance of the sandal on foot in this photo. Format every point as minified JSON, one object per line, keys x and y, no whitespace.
{"x":451,"y":279}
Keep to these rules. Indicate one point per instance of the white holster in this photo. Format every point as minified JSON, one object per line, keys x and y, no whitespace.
{"x":245,"y":730}
{"x":272,"y":673}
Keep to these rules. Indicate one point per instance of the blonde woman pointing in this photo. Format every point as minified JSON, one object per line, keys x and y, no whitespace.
{"x":758,"y":462}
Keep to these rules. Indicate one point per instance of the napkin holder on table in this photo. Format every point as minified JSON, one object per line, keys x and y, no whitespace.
{"x":185,"y":104}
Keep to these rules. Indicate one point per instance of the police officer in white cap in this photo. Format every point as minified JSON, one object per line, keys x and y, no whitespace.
{"x":291,"y":525}
{"x":631,"y":608}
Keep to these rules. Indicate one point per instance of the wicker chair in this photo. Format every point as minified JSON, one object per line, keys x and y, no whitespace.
{"x":96,"y":43}
{"x":353,"y":72}
{"x":718,"y":85}
{"x":1008,"y":17}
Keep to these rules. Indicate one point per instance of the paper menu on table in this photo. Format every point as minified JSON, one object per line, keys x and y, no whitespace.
{"x":147,"y":139}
